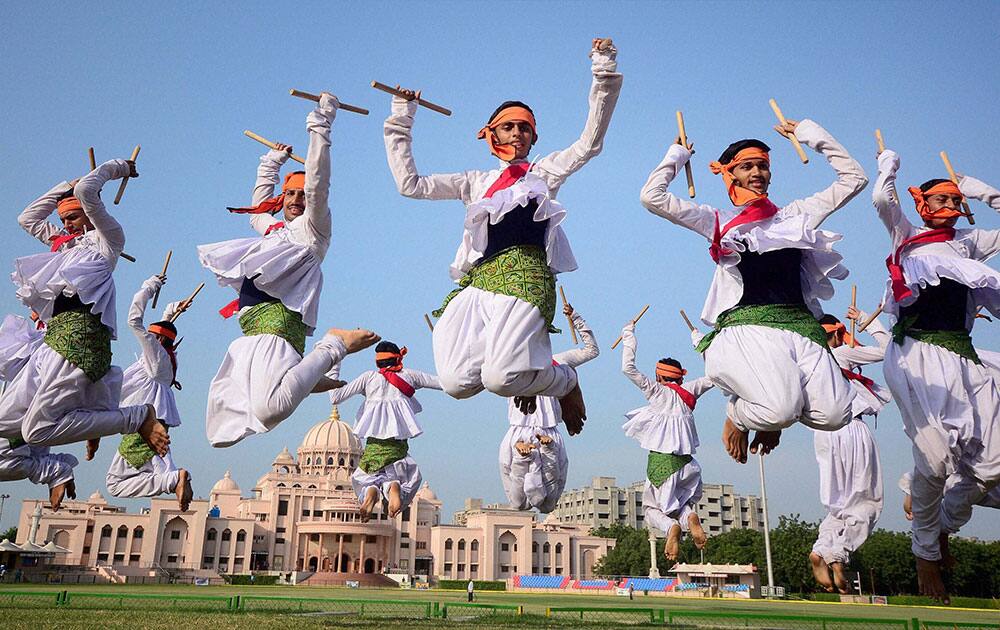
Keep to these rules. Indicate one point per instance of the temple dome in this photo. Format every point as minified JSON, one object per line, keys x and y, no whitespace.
{"x":332,"y":435}
{"x":226,"y":484}
{"x":426,"y":493}
{"x":284,"y":457}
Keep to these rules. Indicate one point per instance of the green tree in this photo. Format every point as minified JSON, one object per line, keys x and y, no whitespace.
{"x":791,"y":542}
{"x":630,"y":555}
{"x":10,"y":534}
{"x":886,"y":556}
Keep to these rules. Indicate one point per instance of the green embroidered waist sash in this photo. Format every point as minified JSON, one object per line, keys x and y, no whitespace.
{"x":135,"y":451}
{"x":522,"y":272}
{"x":274,"y":318}
{"x":79,"y":337}
{"x":957,"y":341}
{"x":792,"y":317}
{"x":660,"y":466}
{"x":380,"y":453}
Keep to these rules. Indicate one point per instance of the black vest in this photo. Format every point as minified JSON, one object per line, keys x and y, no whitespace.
{"x":941,"y":307}
{"x":771,"y":278}
{"x":517,"y":227}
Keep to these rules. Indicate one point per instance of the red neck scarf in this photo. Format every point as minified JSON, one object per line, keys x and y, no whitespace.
{"x":757,"y":210}
{"x":685,"y":395}
{"x":859,"y":377}
{"x":274,"y":226}
{"x":510,"y":176}
{"x":899,"y":289}
{"x":272,"y":205}
{"x":397,"y":381}
{"x":58,"y":240}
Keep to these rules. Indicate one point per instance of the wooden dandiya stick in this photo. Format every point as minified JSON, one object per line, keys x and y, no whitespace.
{"x":873,"y":317}
{"x":854,"y":304}
{"x":572,"y":328}
{"x":315,"y":97}
{"x":430,"y":324}
{"x":795,"y":141}
{"x":688,"y":321}
{"x":954,"y":178}
{"x":634,"y":321}
{"x":178,"y":343}
{"x":156,"y":295}
{"x":186,"y":303}
{"x":429,"y":105}
{"x":93,"y":159}
{"x":684,"y":143}
{"x":121,"y":188}
{"x":127,"y":257}
{"x":271,"y":145}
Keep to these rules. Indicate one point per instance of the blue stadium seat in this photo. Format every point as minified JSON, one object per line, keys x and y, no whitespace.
{"x":541,"y":581}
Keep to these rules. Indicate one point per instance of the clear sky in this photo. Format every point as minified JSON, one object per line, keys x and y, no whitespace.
{"x":185,"y":79}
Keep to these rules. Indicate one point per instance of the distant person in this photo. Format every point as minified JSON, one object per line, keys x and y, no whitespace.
{"x":631,"y":591}
{"x":471,"y":589}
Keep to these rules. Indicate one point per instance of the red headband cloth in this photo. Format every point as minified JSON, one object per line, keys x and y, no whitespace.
{"x":397,"y":356}
{"x":272,"y":205}
{"x":942,"y":188}
{"x":739,"y":195}
{"x":669,"y":371}
{"x":509,"y":114}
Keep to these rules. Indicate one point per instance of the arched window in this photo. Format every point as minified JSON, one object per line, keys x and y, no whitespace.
{"x":312,"y":486}
{"x":461,"y":544}
{"x":534,"y":547}
{"x":122,"y":531}
{"x":329,"y":461}
{"x":308,"y":461}
{"x":61,"y":538}
{"x":241,"y":535}
{"x":352,"y":462}
{"x":283,"y":470}
{"x":448,"y":544}
{"x":137,"y":532}
{"x":281,"y":485}
{"x":296,"y":485}
{"x":226,"y":535}
{"x":558,"y":548}
{"x":545,"y":548}
{"x":341,"y":462}
{"x":211,"y":534}
{"x":475,"y":545}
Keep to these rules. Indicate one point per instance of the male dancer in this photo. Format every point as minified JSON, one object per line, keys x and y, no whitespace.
{"x":773,"y":266}
{"x":948,"y":392}
{"x":533,"y":462}
{"x":494,"y":330}
{"x":266,"y":373}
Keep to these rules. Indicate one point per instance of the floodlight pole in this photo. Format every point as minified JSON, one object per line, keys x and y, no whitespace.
{"x":767,"y":530}
{"x":654,"y":572}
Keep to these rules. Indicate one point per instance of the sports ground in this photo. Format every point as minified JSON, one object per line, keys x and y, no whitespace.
{"x":182,"y":606}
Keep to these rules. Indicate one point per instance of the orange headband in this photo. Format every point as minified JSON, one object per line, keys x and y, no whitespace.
{"x":294,"y":180}
{"x":669,"y":371}
{"x":160,"y":330}
{"x":840,"y":330}
{"x":510,"y":114}
{"x":68,"y":204}
{"x":737,"y":194}
{"x":942,"y":188}
{"x":381,"y":356}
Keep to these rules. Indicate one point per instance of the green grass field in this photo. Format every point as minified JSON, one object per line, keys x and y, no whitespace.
{"x":181,"y":615}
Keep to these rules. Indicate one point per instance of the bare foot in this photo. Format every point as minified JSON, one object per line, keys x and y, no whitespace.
{"x":395,"y":500}
{"x":183,"y":490}
{"x":947,"y":560}
{"x":154,"y":433}
{"x":524,"y":449}
{"x":838,"y":577}
{"x":735,"y":441}
{"x":371,"y":496}
{"x":544,"y":440}
{"x":672,"y":548}
{"x":326,"y":384}
{"x":930,"y":581}
{"x":908,"y":507}
{"x":92,"y":446}
{"x":356,"y":339}
{"x":821,"y":571}
{"x":526,"y":404}
{"x":60,"y":491}
{"x":574,"y":410}
{"x":697,"y":531}
{"x":765,"y":441}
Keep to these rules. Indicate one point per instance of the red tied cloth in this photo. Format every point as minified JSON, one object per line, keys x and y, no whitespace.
{"x":508,"y":178}
{"x":685,"y":395}
{"x":397,"y":381}
{"x":899,"y":289}
{"x":58,"y":240}
{"x":859,"y":377}
{"x":274,"y":226}
{"x":757,"y":210}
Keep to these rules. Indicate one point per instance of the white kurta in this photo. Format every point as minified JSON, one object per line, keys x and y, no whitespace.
{"x":774,"y":377}
{"x":386,"y":413}
{"x":950,"y":406}
{"x":262,"y":379}
{"x":485,"y":340}
{"x":537,"y":480}
{"x":866,"y":402}
{"x":50,"y":401}
{"x":19,"y":338}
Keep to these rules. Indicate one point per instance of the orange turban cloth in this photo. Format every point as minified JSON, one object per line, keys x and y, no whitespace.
{"x":156,"y":329}
{"x":840,"y":331}
{"x":509,"y":114}
{"x":942,"y":188}
{"x":669,"y":371}
{"x":67,"y":205}
{"x":739,"y":195}
{"x":270,"y":206}
{"x":398,"y":356}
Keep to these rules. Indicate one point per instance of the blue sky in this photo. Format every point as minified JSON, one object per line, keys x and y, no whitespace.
{"x":185,"y":79}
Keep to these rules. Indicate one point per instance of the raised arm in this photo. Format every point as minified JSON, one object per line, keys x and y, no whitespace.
{"x":422,"y":380}
{"x":647,"y":386}
{"x":885,"y":198}
{"x":604,"y":90}
{"x":357,"y":386}
{"x":399,"y":152}
{"x":35,"y":218}
{"x":575,"y":357}
{"x":268,"y":176}
{"x":317,"y":212}
{"x":88,"y":191}
{"x":699,"y":386}
{"x":658,"y":200}
{"x":851,"y":178}
{"x":155,"y":359}
{"x":987,"y":242}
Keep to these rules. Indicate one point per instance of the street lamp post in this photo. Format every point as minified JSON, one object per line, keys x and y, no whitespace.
{"x":3,"y":499}
{"x":767,"y":530}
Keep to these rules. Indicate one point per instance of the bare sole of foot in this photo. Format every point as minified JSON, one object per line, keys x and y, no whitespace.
{"x":735,"y":441}
{"x":395,"y":500}
{"x":574,"y":410}
{"x":947,"y":560}
{"x":544,"y":440}
{"x":183,"y":490}
{"x":524,"y":449}
{"x":154,"y":433}
{"x":355,"y":340}
{"x":821,"y":571}
{"x":371,"y":496}
{"x":930,"y":581}
{"x":326,"y":384}
{"x":838,"y":577}
{"x":526,"y":404}
{"x":673,"y":545}
{"x":765,"y":441}
{"x":61,"y":491}
{"x":92,"y":446}
{"x":697,"y":531}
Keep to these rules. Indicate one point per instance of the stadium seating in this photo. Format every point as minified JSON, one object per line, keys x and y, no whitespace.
{"x":594,"y":585}
{"x":735,"y":588}
{"x":650,"y":584}
{"x":541,"y":581}
{"x":689,"y":586}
